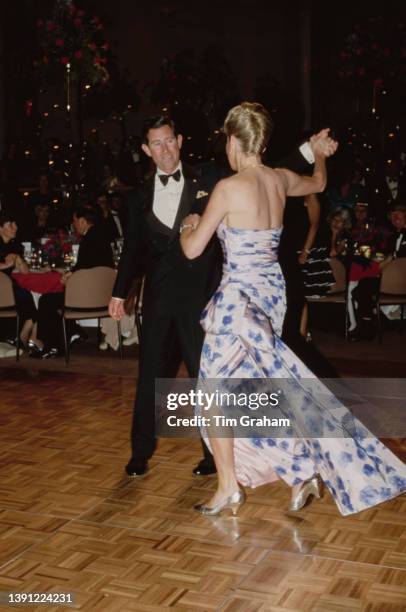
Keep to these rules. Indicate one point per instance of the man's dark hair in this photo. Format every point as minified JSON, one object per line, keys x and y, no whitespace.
{"x":6,"y":218}
{"x":87,"y":213}
{"x":153,"y":123}
{"x":398,"y":205}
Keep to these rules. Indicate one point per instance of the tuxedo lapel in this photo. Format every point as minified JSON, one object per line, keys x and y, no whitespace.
{"x":147,"y":195}
{"x":187,"y":198}
{"x":151,"y":219}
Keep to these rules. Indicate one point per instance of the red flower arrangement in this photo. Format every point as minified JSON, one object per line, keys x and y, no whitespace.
{"x":57,"y":246}
{"x":374,"y":47}
{"x":73,"y":37}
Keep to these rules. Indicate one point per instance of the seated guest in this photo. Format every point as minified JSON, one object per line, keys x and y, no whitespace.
{"x":365,"y":293}
{"x":42,"y":224}
{"x":94,"y":250}
{"x":12,"y":258}
{"x":339,"y":221}
{"x":397,"y":242}
{"x":365,"y":232}
{"x":44,"y":194}
{"x":110,"y":219}
{"x":119,"y":213}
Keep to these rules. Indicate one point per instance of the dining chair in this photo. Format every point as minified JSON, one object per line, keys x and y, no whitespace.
{"x":392,"y":291}
{"x":338,"y":292}
{"x":8,"y":308}
{"x":87,"y":296}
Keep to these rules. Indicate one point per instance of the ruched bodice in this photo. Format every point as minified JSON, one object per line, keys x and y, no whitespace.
{"x":248,"y":251}
{"x":243,"y":324}
{"x":252,"y":284}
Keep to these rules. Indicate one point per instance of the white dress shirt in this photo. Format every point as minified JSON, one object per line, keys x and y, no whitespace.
{"x":393,"y":186}
{"x":167,"y":197}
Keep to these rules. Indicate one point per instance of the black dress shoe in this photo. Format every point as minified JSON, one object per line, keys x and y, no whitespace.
{"x":205,"y":468}
{"x":136,"y":468}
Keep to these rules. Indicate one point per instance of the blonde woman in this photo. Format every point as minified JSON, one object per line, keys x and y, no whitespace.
{"x":243,"y":323}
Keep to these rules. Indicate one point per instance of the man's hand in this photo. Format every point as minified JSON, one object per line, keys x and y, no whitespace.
{"x":116,"y":309}
{"x":65,"y":277}
{"x":192,"y":220}
{"x":322,"y":145}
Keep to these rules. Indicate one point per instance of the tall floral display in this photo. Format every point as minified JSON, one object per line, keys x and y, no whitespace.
{"x":73,"y":52}
{"x":74,"y":39}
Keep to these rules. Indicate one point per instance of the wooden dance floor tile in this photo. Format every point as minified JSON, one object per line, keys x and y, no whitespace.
{"x":71,"y":520}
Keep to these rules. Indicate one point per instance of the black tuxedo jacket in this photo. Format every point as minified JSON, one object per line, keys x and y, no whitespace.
{"x":174,"y":283}
{"x":400,"y":251}
{"x":94,"y":250}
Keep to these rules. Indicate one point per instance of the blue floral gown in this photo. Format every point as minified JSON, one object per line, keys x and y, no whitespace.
{"x":243,"y":323}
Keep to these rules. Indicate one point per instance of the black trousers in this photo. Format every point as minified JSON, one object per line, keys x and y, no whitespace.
{"x":365,"y":294}
{"x":25,"y":304}
{"x":50,"y":329}
{"x":165,"y":340}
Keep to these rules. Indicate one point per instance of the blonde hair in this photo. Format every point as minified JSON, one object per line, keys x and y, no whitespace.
{"x":251,"y":124}
{"x":343,"y":214}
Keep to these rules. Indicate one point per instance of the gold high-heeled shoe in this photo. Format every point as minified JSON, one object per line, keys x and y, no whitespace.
{"x":233,"y":503}
{"x":309,"y":487}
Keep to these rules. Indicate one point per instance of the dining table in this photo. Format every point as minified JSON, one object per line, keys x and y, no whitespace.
{"x":39,"y":282}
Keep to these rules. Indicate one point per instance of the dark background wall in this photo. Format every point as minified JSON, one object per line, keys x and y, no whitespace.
{"x":295,"y":43}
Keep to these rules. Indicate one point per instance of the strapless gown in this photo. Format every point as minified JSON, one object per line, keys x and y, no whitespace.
{"x":243,"y":323}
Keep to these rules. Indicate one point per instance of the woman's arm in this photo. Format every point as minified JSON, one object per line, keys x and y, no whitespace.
{"x":194,"y":239}
{"x":21,"y":265}
{"x":313,"y":211}
{"x":296,"y":185}
{"x":322,"y":146}
{"x":9,"y":262}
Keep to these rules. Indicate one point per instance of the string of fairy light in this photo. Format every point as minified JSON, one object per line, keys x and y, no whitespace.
{"x":360,"y":139}
{"x":390,"y":139}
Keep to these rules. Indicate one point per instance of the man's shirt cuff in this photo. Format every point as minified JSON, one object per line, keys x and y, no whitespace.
{"x":307,"y":152}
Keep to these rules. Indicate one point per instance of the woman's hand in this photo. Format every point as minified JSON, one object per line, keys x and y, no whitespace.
{"x":9,"y":261}
{"x":21,"y":265}
{"x":303,"y":258}
{"x":322,"y":144}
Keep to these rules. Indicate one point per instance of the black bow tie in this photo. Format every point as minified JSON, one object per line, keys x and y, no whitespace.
{"x":165,"y":177}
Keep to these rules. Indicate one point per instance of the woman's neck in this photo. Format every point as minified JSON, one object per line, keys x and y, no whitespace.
{"x":248,"y":161}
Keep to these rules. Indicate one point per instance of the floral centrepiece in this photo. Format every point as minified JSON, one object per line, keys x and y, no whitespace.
{"x":57,"y":247}
{"x":74,"y":38}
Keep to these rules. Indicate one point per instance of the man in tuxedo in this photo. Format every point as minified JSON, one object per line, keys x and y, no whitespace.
{"x":397,"y":216}
{"x":94,"y":250}
{"x":176,"y":289}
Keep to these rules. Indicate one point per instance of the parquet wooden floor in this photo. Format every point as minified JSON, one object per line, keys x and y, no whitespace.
{"x":70,"y":520}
